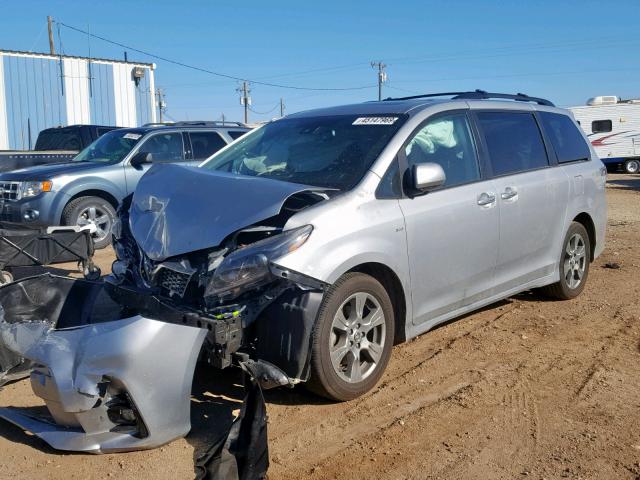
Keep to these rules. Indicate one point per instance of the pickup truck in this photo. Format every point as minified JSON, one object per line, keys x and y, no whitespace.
{"x":53,"y":145}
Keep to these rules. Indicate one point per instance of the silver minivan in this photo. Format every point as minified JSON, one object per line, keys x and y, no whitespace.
{"x":310,"y":246}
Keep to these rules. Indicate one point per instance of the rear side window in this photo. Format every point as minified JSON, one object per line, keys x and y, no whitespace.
{"x":235,"y":134}
{"x":59,"y":139}
{"x":514,"y":142}
{"x":601,"y":126}
{"x":565,"y":137}
{"x":205,"y":144}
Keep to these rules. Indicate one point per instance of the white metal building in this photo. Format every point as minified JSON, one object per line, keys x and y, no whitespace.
{"x":39,"y":91}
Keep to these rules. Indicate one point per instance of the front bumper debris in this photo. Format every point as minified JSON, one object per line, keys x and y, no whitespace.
{"x":115,"y":365}
{"x":110,"y":384}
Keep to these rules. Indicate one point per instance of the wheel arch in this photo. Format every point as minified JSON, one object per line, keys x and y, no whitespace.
{"x":93,"y":193}
{"x":392,"y":284}
{"x":586,"y":221}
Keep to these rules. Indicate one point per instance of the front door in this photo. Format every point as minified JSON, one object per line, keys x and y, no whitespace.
{"x":452,"y":232}
{"x":164,"y":147}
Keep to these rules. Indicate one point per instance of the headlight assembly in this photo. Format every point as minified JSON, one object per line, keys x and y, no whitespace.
{"x":248,"y":267}
{"x":31,"y":189}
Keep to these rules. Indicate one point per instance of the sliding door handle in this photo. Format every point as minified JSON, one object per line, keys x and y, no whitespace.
{"x":486,"y":198}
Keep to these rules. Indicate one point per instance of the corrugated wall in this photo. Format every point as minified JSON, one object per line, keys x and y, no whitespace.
{"x":38,"y":92}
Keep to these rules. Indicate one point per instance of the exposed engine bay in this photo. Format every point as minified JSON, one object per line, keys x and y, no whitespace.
{"x":230,"y":284}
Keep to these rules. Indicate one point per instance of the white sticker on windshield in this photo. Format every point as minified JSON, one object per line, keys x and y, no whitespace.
{"x":132,"y":136}
{"x":375,"y":121}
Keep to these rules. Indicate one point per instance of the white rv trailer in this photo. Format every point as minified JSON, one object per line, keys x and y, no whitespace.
{"x":613,"y":128}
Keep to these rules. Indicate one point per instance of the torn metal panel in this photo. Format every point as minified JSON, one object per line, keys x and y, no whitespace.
{"x":178,"y":209}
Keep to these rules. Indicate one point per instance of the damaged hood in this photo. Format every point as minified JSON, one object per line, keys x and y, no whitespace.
{"x":179,"y":209}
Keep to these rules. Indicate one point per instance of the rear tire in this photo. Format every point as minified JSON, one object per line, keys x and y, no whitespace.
{"x":352,"y":338}
{"x":632,"y":166}
{"x":86,"y":210}
{"x":574,"y":264}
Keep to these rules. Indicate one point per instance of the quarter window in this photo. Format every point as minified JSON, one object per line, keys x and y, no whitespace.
{"x":205,"y":144}
{"x":566,"y":139}
{"x":601,"y":126}
{"x":447,"y":141}
{"x":513,"y":141}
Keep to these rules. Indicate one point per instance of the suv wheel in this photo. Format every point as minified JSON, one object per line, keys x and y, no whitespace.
{"x":352,"y":339}
{"x":574,"y":264}
{"x":92,"y":210}
{"x":632,"y":166}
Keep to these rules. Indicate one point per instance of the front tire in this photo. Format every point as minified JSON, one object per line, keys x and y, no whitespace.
{"x":574,"y":264}
{"x":91,"y":210}
{"x":632,"y":166}
{"x":352,"y":339}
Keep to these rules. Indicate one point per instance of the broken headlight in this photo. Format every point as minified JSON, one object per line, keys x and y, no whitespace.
{"x":248,"y":267}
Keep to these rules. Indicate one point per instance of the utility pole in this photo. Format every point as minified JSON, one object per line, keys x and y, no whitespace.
{"x":245,"y":99}
{"x":161,"y":103}
{"x":50,"y":26}
{"x":281,"y":108}
{"x":382,"y":76}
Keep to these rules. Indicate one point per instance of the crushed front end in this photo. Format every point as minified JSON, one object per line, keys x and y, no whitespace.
{"x":114,"y":360}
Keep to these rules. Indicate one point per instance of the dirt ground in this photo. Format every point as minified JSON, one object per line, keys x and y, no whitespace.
{"x":526,"y":388}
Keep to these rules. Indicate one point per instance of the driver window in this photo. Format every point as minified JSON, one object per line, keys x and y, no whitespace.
{"x":447,"y":141}
{"x":164,"y":147}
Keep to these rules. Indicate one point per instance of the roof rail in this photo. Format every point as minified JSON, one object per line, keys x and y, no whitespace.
{"x":207,"y":123}
{"x":481,"y":95}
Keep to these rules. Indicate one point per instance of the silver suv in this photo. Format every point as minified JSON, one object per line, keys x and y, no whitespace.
{"x":310,"y":246}
{"x":88,"y":188}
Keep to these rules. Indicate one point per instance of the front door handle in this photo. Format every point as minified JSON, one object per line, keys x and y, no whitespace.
{"x":486,"y":198}
{"x":509,"y":192}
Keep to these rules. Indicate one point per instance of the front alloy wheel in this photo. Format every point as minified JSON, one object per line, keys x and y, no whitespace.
{"x":352,"y":338}
{"x":358,"y":334}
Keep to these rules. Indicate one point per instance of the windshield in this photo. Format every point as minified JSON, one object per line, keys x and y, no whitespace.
{"x":328,"y":152}
{"x":111,"y":147}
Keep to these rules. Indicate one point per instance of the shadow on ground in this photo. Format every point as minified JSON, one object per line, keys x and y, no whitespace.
{"x":630,"y":182}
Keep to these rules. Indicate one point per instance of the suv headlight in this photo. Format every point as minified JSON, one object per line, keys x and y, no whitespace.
{"x":31,"y":189}
{"x":248,"y":267}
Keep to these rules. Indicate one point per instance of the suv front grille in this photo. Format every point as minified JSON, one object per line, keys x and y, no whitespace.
{"x":9,"y":191}
{"x":174,"y":282}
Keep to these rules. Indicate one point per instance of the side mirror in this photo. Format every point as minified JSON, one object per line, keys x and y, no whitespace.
{"x":140,"y":159}
{"x":427,"y":177}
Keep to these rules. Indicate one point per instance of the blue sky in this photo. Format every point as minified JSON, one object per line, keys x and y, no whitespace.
{"x":566,"y":51}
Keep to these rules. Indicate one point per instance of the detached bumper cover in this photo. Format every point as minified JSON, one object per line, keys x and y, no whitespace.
{"x":114,"y":386}
{"x":112,"y":380}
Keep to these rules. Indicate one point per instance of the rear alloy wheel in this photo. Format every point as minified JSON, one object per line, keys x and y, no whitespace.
{"x":92,"y":211}
{"x":353,"y":338}
{"x":632,"y":166}
{"x":574,"y":264}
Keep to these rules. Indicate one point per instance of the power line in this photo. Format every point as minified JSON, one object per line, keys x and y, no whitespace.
{"x":267,"y":112}
{"x":211,"y":72}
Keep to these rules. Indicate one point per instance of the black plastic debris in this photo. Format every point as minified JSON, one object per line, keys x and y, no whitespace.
{"x":243,"y":453}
